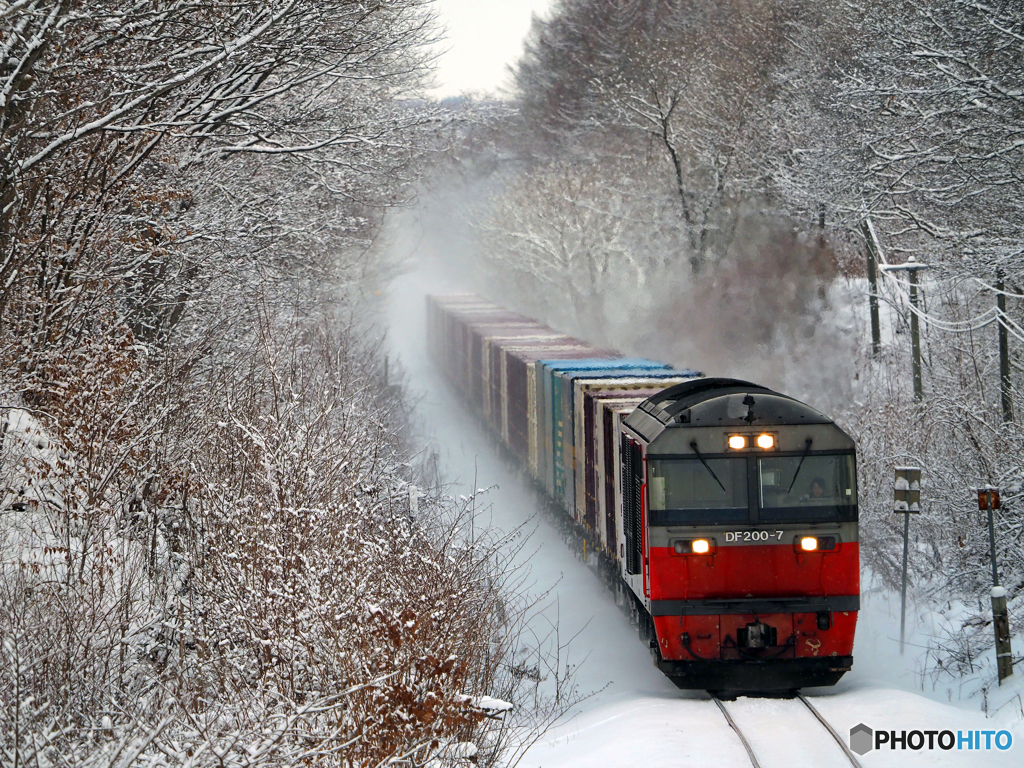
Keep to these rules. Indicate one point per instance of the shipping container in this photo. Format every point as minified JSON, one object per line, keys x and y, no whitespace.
{"x":585,"y":428}
{"x":440,"y":319}
{"x":465,"y":319}
{"x":561,"y":374}
{"x":516,"y":388}
{"x":544,"y":415}
{"x":521,"y":373}
{"x":492,"y":338}
{"x":453,"y":315}
{"x":494,"y":354}
{"x":638,"y":377}
{"x":595,"y":403}
{"x":479,"y":369}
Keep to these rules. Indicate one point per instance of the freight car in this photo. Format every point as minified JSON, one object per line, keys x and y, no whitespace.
{"x":723,"y":514}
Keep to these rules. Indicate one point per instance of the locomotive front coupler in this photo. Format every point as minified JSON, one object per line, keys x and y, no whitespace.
{"x":757,"y":635}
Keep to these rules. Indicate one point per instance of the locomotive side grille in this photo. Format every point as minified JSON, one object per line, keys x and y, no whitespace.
{"x":638,"y":487}
{"x":627,"y":504}
{"x":632,"y":486}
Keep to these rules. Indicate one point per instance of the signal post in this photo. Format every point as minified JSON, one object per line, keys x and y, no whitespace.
{"x":906,"y":501}
{"x":988,"y":500}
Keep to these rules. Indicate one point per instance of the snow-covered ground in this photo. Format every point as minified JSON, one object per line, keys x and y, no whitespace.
{"x":683,"y":730}
{"x":637,"y":717}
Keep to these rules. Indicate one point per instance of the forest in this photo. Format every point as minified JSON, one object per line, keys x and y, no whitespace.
{"x":206,"y":550}
{"x":209,"y":552}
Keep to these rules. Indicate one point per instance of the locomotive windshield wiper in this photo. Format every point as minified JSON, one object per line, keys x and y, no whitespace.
{"x":694,"y":446}
{"x":806,"y":451}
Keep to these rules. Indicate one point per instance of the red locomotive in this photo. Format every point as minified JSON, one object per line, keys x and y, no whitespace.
{"x":725,"y":513}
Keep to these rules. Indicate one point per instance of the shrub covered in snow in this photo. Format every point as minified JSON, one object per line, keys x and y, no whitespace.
{"x":206,"y":551}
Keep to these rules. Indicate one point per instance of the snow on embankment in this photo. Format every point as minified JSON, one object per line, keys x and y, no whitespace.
{"x":25,"y":495}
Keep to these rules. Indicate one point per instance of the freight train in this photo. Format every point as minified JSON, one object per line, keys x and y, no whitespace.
{"x":723,"y":514}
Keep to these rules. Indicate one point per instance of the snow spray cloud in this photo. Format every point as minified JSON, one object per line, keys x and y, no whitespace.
{"x":762,"y":301}
{"x":766,"y":304}
{"x":772,"y":310}
{"x":430,"y":250}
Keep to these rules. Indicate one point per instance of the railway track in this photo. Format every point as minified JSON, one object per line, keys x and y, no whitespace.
{"x":810,"y":707}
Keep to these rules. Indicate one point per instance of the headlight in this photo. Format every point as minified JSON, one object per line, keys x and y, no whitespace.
{"x":693,"y":546}
{"x":815,"y":543}
{"x":737,"y":442}
{"x":765,"y":441}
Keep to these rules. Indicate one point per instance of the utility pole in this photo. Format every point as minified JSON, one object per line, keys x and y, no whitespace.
{"x":988,"y":499}
{"x":1004,"y":349}
{"x":911,"y":267}
{"x":871,"y":237}
{"x":915,"y":337}
{"x":906,"y":501}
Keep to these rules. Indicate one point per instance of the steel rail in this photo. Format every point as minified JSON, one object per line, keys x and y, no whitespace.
{"x":732,"y":724}
{"x":813,"y":710}
{"x":836,"y":736}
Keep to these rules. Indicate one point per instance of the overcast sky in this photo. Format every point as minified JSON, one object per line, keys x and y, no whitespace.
{"x":484,"y":37}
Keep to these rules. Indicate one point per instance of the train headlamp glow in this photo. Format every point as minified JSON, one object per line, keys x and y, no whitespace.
{"x":737,"y":442}
{"x":765,"y":441}
{"x":693,"y":546}
{"x":822,"y":544}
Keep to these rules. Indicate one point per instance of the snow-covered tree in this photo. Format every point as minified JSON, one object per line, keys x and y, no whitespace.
{"x":206,"y":553}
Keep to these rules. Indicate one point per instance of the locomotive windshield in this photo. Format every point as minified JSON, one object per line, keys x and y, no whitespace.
{"x":808,"y":487}
{"x":691,"y":490}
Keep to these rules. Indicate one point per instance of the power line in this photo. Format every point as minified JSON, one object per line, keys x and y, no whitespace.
{"x":1011,"y":327}
{"x":983,"y":320}
{"x":997,"y":291}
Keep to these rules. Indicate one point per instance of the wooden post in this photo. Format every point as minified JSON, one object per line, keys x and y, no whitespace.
{"x":1005,"y":383}
{"x":912,"y":266}
{"x":915,"y":338}
{"x":1001,"y":625}
{"x":876,"y":330}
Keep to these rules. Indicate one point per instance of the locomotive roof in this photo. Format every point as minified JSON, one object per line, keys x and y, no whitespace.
{"x":708,"y":402}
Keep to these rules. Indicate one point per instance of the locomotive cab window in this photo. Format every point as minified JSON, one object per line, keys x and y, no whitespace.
{"x":690,"y":490}
{"x":820,"y":487}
